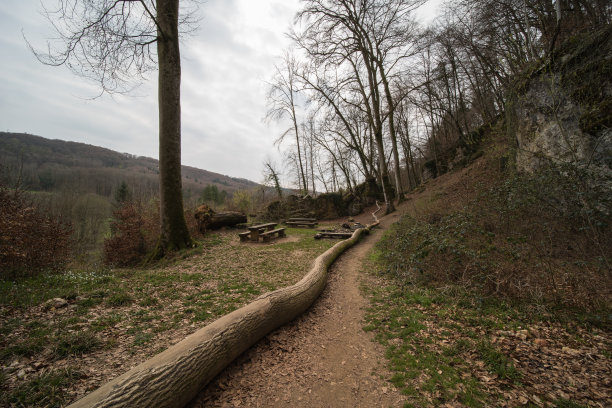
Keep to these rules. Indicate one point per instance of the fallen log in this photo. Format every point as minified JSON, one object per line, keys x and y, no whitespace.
{"x":175,"y":376}
{"x":224,"y":219}
{"x":208,"y":219}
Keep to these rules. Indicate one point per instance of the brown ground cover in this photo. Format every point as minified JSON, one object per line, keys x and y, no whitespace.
{"x":437,"y":346}
{"x":112,"y":320}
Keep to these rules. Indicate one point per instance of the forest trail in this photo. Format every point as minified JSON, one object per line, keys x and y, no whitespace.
{"x":321,"y":359}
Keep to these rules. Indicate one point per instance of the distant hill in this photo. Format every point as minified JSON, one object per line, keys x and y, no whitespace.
{"x":57,"y":165}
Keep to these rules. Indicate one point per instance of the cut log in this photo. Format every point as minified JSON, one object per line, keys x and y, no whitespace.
{"x":173,"y":377}
{"x":222,"y":219}
{"x":339,"y":235}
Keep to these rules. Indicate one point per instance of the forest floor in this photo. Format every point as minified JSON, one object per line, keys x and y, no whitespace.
{"x":370,"y":340}
{"x":63,"y":335}
{"x":373,"y":340}
{"x":324,"y":358}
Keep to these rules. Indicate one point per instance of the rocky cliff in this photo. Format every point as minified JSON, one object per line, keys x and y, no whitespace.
{"x":562,"y":111}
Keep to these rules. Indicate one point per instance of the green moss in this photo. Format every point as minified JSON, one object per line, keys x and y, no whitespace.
{"x":586,"y":70}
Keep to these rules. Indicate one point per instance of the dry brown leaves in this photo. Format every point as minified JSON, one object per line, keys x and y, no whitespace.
{"x":163,"y":307}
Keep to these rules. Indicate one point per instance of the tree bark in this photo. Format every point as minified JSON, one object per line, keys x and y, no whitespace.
{"x":393,"y":135}
{"x":301,"y":175}
{"x":223,"y":219}
{"x":174,"y":233}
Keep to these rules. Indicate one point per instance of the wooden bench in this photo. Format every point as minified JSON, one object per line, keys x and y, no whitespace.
{"x":302,"y":222}
{"x":340,"y":235}
{"x":269,"y":234}
{"x":255,"y":230}
{"x":303,"y":219}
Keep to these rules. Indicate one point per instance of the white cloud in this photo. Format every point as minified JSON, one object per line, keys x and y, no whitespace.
{"x":224,"y":66}
{"x":223,"y":95}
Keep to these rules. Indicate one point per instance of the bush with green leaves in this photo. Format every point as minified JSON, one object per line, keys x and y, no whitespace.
{"x":242,"y":201}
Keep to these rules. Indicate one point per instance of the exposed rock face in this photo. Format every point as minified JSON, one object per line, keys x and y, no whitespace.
{"x":325,"y":205}
{"x":274,"y":211}
{"x":564,"y":113}
{"x":355,"y":207}
{"x":549,"y":128}
{"x":329,"y":206}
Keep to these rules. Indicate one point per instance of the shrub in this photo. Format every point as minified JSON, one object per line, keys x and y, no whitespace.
{"x":242,"y":201}
{"x":126,"y":246}
{"x":135,"y":232}
{"x":540,"y":238}
{"x":30,"y":241}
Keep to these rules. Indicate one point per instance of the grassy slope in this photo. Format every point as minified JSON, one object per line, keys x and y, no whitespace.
{"x":453,"y":341}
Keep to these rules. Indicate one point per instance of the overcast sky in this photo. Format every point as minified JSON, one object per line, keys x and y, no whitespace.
{"x":224,"y":68}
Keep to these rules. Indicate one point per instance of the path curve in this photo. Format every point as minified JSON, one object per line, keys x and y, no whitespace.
{"x":321,"y":359}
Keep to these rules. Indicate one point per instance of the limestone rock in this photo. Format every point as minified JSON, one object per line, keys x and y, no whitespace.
{"x":55,"y":303}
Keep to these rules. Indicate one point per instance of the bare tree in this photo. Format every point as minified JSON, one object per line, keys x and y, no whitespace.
{"x":370,"y":37}
{"x":282,"y":93}
{"x":113,"y":42}
{"x":271,"y":176}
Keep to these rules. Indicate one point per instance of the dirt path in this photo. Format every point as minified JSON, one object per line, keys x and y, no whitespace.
{"x":322,"y":359}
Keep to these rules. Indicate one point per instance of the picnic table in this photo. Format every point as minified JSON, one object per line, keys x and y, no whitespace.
{"x":266,"y":231}
{"x":258,"y":229}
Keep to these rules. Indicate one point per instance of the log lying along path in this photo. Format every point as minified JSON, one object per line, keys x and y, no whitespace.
{"x":321,"y":359}
{"x":173,"y":377}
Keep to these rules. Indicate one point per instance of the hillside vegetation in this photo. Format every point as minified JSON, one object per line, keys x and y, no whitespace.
{"x":82,"y":186}
{"x":531,"y":218}
{"x":495,"y":288}
{"x":61,"y":166}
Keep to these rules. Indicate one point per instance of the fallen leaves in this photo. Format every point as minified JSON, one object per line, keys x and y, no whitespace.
{"x":157,"y":308}
{"x":525,"y":364}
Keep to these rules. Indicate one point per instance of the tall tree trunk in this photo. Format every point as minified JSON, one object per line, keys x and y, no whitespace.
{"x":375,"y":120}
{"x":312,"y":175}
{"x":392,"y":133}
{"x":382,"y":166}
{"x":302,"y":175}
{"x":405,"y":139}
{"x":174,"y":233}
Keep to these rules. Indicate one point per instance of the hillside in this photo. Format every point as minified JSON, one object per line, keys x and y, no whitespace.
{"x":78,"y":183}
{"x":57,"y":165}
